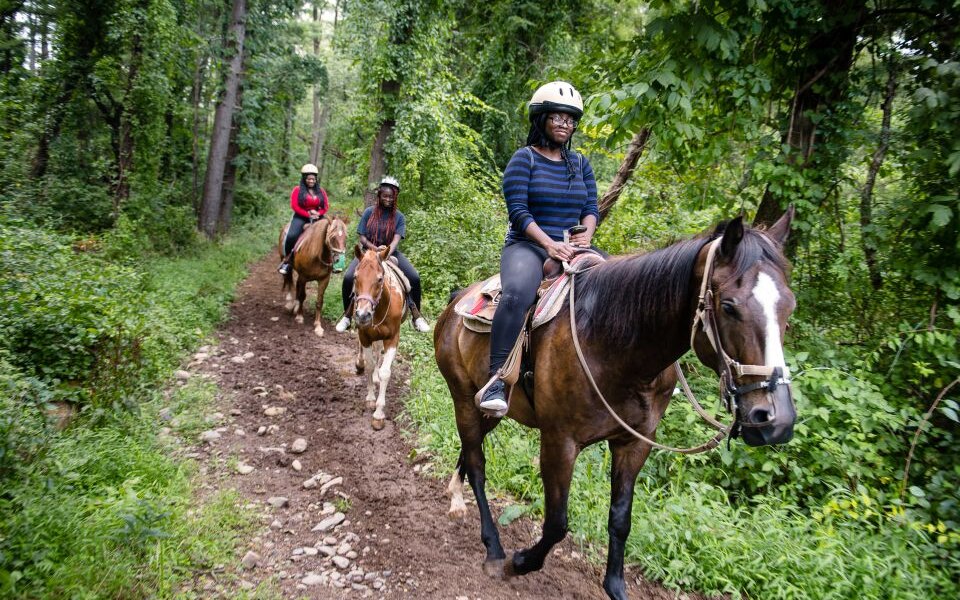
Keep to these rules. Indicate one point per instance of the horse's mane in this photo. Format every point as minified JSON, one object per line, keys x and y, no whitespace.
{"x":317,"y":237}
{"x":629,"y":297}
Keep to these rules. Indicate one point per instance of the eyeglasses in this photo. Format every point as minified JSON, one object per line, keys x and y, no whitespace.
{"x":560,"y":120}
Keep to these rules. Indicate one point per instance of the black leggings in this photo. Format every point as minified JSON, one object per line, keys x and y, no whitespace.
{"x":405,"y":265}
{"x":521,"y":271}
{"x":293,"y":232}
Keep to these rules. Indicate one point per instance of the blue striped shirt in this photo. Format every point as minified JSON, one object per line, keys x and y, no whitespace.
{"x":537,"y":189}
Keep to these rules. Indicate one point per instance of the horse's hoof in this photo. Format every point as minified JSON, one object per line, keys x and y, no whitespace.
{"x":360,"y":369}
{"x":318,"y":331}
{"x":377,"y":424}
{"x":494,"y":568}
{"x":299,"y":320}
{"x":457,"y":513}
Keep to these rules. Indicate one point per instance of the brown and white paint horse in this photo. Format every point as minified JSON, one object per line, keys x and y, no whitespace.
{"x":379,"y":307}
{"x":634,"y":317}
{"x":320,"y":245}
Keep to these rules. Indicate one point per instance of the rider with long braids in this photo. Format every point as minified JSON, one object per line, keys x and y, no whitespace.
{"x":384,"y":225}
{"x":549,"y":188}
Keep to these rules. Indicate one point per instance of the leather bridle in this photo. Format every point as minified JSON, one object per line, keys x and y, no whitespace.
{"x":375,"y":302}
{"x":731,"y":372}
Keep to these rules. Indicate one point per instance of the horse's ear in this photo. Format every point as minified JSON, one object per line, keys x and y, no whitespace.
{"x":732,"y":235}
{"x":358,"y":250}
{"x":780,"y":230}
{"x":384,"y":252}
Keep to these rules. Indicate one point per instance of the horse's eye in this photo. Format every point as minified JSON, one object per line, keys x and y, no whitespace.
{"x":729,"y":307}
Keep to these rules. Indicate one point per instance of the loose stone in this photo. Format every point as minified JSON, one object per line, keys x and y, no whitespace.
{"x":341,"y":562}
{"x":278,"y":501}
{"x":250,"y":560}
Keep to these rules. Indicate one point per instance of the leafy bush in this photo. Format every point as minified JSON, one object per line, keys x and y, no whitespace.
{"x":69,"y":318}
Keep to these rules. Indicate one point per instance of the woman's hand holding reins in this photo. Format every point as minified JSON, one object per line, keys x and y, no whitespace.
{"x":560,"y":251}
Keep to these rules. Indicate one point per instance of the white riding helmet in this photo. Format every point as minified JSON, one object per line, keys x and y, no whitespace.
{"x":309,"y":169}
{"x":391,"y":181}
{"x":556,"y":96}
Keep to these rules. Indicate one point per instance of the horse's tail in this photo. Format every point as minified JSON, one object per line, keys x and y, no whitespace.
{"x":454,"y":292}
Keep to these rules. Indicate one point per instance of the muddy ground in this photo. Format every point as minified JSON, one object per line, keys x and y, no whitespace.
{"x":375,"y":522}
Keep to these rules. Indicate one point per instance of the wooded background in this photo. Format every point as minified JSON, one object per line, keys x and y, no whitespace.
{"x":133,"y":131}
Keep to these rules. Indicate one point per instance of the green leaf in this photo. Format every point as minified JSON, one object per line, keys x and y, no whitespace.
{"x":512,"y":513}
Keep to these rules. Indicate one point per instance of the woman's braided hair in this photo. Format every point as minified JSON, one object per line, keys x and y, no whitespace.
{"x":537,"y":136}
{"x":382,"y":225}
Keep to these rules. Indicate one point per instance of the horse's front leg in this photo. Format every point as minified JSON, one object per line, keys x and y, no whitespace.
{"x":473,"y":428}
{"x":390,"y":351}
{"x":558,"y":453}
{"x":371,"y":355}
{"x":321,"y":290}
{"x":301,"y":296}
{"x":628,"y":458}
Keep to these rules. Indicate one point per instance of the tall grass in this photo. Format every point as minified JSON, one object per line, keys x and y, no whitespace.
{"x":102,"y":509}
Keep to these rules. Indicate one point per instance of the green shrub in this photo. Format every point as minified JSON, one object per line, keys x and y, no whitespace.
{"x":69,"y":317}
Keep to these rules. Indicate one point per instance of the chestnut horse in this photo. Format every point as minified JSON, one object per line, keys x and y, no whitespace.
{"x":320,"y":245}
{"x":634,"y":317}
{"x":379,"y":307}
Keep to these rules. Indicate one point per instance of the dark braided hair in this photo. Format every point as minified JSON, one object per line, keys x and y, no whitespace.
{"x":537,"y":136}
{"x":382,"y":225}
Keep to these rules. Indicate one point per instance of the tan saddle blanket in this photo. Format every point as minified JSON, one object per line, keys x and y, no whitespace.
{"x":479,"y":304}
{"x":391,"y":264}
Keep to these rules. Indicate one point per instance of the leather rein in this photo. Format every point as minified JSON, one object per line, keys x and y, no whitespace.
{"x":730,"y":370}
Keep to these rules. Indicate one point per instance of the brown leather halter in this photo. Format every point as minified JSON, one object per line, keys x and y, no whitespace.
{"x":375,"y":302}
{"x":731,"y":371}
{"x":335,"y":253}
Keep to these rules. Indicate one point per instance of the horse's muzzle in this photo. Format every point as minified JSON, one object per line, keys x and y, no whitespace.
{"x":363,"y":317}
{"x":771,"y":421}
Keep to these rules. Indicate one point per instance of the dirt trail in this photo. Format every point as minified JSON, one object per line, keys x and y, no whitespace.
{"x":399,"y":541}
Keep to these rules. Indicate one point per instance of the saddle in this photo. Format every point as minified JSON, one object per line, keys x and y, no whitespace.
{"x":394,"y":267}
{"x":479,"y":305}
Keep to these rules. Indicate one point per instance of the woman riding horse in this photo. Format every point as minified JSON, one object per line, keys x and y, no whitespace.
{"x":548,"y":188}
{"x":383,"y":225}
{"x":309,"y":202}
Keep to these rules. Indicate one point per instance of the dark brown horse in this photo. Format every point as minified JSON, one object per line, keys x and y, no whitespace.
{"x":318,"y":248}
{"x":379,"y":307}
{"x":635,"y":315}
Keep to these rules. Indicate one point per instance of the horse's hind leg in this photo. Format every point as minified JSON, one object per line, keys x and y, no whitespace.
{"x":628,"y":458}
{"x":557,"y":455}
{"x":317,"y":320}
{"x":301,"y":296}
{"x":458,"y":508}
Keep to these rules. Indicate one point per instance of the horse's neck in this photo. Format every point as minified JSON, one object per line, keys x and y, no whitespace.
{"x":316,"y":244}
{"x":649,"y":332}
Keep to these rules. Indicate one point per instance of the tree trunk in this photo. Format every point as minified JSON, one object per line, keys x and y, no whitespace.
{"x":210,"y":204}
{"x":195,"y":97}
{"x":125,"y":143}
{"x":821,"y":85}
{"x":637,"y":145}
{"x":867,"y":238}
{"x":321,"y":138}
{"x":225,"y":218}
{"x":378,"y":163}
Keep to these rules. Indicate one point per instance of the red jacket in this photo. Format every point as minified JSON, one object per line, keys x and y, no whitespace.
{"x":321,"y":204}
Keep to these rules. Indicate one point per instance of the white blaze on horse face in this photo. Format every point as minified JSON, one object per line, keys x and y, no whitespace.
{"x":767,"y":295}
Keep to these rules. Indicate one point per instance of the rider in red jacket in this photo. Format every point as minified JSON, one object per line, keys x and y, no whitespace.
{"x":309,"y":202}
